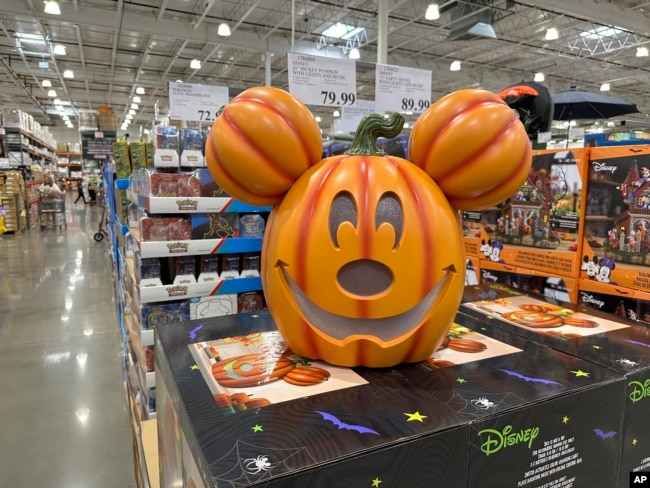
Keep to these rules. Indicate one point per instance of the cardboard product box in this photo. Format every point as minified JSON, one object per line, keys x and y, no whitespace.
{"x":540,"y":226}
{"x":164,"y":313}
{"x":11,"y":117}
{"x":107,"y":122}
{"x":619,"y":301}
{"x":214,"y":225}
{"x":213,"y":306}
{"x":150,"y":150}
{"x":357,"y":428}
{"x":209,"y":188}
{"x":616,"y":247}
{"x":471,"y":224}
{"x":122,"y":159}
{"x":532,"y":418}
{"x":138,"y":153}
{"x":603,"y":340}
{"x":472,"y":271}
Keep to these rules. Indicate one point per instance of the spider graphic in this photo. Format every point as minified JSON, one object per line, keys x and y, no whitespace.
{"x":258,"y":464}
{"x":626,"y":362}
{"x":483,"y":403}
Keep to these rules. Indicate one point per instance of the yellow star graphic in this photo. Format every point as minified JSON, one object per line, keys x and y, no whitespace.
{"x":375,"y":482}
{"x":415,"y":416}
{"x":565,"y":419}
{"x":580,"y":373}
{"x":257,"y":428}
{"x":634,"y":441}
{"x":194,"y":367}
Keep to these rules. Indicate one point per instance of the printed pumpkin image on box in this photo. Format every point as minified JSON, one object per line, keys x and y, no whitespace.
{"x":362,"y":260}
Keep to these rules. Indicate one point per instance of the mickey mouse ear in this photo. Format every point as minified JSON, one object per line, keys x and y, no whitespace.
{"x":262,"y":141}
{"x":474,"y":147}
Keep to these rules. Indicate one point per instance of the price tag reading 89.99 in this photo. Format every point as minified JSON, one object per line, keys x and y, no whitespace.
{"x":415,"y":104}
{"x":402,"y":89}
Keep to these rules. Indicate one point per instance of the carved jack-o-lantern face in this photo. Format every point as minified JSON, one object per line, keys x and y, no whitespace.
{"x":360,"y":256}
{"x":363,"y":258}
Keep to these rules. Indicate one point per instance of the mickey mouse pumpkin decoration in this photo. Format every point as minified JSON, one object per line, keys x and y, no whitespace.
{"x":363,"y":256}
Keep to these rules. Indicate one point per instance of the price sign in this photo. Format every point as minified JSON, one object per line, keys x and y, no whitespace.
{"x":317,"y":80}
{"x":544,"y":137}
{"x":196,"y":102}
{"x":351,"y":116}
{"x":575,"y":134}
{"x":402,"y":89}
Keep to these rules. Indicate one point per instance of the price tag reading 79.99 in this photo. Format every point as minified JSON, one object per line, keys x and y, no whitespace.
{"x":334,"y":98}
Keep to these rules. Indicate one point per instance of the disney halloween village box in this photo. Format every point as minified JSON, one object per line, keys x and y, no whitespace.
{"x":237,"y":408}
{"x":617,"y":344}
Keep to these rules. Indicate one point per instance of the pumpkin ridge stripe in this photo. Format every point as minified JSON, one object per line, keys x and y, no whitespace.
{"x":427,"y":244}
{"x":267,"y":160}
{"x":501,"y":133}
{"x":365,"y":222}
{"x":446,"y":126}
{"x":231,"y":179}
{"x":288,"y":122}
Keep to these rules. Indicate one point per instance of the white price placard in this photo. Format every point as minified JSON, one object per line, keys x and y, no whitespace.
{"x":196,"y":102}
{"x":402,"y":89}
{"x":317,"y":80}
{"x":575,"y":134}
{"x":544,"y":137}
{"x":351,"y":116}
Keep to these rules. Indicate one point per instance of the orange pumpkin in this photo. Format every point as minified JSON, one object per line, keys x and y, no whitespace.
{"x":362,"y":260}
{"x":474,"y":146}
{"x":250,"y":370}
{"x":260,"y":143}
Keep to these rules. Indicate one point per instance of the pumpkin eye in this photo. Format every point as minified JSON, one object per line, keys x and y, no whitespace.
{"x":343,"y":209}
{"x":389,"y":210}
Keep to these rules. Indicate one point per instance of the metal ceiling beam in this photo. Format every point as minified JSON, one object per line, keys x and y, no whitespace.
{"x":83,"y":62}
{"x":20,"y":83}
{"x":206,"y":10}
{"x":161,"y":10}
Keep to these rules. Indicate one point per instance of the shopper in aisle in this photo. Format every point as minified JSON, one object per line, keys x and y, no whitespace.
{"x":80,"y":189}
{"x":49,"y":187}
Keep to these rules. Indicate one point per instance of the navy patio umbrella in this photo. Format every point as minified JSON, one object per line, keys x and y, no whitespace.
{"x":576,"y":103}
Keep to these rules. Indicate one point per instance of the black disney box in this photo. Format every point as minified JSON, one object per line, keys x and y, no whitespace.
{"x":236,"y":408}
{"x":618,"y":345}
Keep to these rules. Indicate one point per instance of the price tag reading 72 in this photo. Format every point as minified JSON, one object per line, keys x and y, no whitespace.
{"x":334,"y":98}
{"x":207,"y":115}
{"x":411,"y":104}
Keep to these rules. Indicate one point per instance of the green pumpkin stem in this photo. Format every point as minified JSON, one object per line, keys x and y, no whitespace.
{"x":370,"y":128}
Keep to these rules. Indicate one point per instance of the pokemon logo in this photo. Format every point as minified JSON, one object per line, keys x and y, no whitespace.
{"x":187,"y":204}
{"x":176,"y":291}
{"x":177,"y":247}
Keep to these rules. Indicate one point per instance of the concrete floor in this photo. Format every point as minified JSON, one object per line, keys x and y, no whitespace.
{"x":63,"y":413}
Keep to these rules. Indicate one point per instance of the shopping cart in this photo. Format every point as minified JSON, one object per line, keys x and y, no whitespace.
{"x":51,"y":210}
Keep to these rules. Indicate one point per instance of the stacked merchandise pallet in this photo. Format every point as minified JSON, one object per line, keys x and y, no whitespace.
{"x":183,"y":249}
{"x":12,"y":193}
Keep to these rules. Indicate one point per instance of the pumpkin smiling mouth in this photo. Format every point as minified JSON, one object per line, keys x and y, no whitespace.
{"x":384,"y":328}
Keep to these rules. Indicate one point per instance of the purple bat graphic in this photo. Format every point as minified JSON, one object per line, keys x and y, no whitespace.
{"x":637,"y":343}
{"x":193,"y":332}
{"x":604,"y":435}
{"x":529,"y":378}
{"x":342,"y":425}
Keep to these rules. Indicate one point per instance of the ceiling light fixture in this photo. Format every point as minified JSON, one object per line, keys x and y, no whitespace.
{"x":139,"y":90}
{"x":59,"y":50}
{"x":604,"y":87}
{"x":132,"y":112}
{"x":433,"y":12}
{"x":336,"y":113}
{"x":52,"y":8}
{"x":354,"y":53}
{"x":137,"y":99}
{"x":51,"y":93}
{"x":223,"y":30}
{"x":47,"y":84}
{"x":57,"y":102}
{"x":552,"y":34}
{"x":539,"y":77}
{"x":128,"y":117}
{"x":195,"y":64}
{"x":135,"y":106}
{"x":318,"y":119}
{"x":641,"y":52}
{"x":68,"y":73}
{"x":454,"y":66}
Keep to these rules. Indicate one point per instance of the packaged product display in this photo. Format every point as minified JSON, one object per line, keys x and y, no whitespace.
{"x":250,"y":265}
{"x":173,"y":185}
{"x":621,"y":302}
{"x":150,"y":150}
{"x":185,"y":269}
{"x":167,"y":147}
{"x":122,"y":159}
{"x":215,"y":306}
{"x":138,"y":153}
{"x":456,"y":419}
{"x":229,"y":266}
{"x":209,"y":268}
{"x":215,"y":225}
{"x":192,"y":143}
{"x":617,"y":240}
{"x":617,"y":344}
{"x":250,"y":302}
{"x":165,"y":229}
{"x":165,"y":313}
{"x":251,"y":225}
{"x":147,"y":271}
{"x":540,"y":226}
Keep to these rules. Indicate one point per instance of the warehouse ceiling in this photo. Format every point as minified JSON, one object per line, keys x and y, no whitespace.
{"x":114,"y":46}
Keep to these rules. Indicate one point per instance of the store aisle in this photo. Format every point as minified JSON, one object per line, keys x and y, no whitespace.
{"x":63,"y":414}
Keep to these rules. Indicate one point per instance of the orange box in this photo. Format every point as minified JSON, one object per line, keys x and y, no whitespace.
{"x":616,"y":243}
{"x":540,"y":226}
